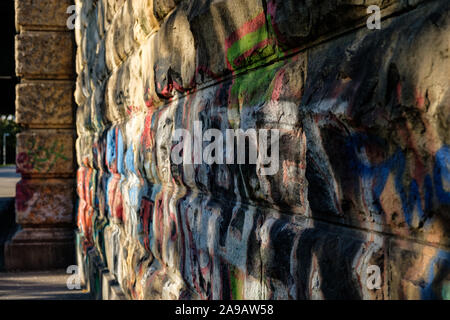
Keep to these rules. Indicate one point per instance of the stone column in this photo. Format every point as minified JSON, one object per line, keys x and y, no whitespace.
{"x":45,"y":148}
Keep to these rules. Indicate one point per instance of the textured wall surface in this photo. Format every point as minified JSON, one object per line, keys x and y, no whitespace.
{"x":44,"y":50}
{"x":364,"y":174}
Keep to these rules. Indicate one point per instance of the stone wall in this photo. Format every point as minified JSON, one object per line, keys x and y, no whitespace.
{"x":363,"y":182}
{"x":45,"y":54}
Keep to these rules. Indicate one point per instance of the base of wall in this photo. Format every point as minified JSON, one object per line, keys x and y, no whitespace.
{"x":95,"y":276}
{"x":40,"y":249}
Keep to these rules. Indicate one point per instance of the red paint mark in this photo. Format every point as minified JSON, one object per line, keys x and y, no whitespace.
{"x":278,"y":85}
{"x":248,"y":27}
{"x":147,"y":135}
{"x":399,"y":92}
{"x":115,"y":198}
{"x":145,"y":215}
{"x":23,"y":194}
{"x":166,"y":91}
{"x":85,"y":211}
{"x":150,"y":103}
{"x":132,"y":110}
{"x":420,"y":99}
{"x":178,"y":87}
{"x":23,"y":162}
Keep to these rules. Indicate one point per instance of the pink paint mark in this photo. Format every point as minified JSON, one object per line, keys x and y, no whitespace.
{"x":178,"y":87}
{"x":167,"y":90}
{"x":85,"y":211}
{"x":147,"y":135}
{"x":248,"y":27}
{"x":23,"y":194}
{"x":278,"y":87}
{"x":399,"y":92}
{"x":23,"y":162}
{"x":271,"y":10}
{"x":420,"y":99}
{"x":145,"y":214}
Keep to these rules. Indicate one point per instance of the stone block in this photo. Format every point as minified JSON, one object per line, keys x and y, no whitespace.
{"x":161,"y":8}
{"x":45,"y":104}
{"x":296,"y":24}
{"x":45,"y":55}
{"x":174,"y":54}
{"x":229,"y":36}
{"x":40,"y":249}
{"x":42,"y":14}
{"x":45,"y":202}
{"x":418,"y":271}
{"x":377,"y":129}
{"x":46,"y":153}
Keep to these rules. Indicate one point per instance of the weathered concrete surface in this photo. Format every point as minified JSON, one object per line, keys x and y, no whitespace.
{"x":38,"y":286}
{"x":363,"y":179}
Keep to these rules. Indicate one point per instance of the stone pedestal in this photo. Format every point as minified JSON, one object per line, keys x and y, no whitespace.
{"x":40,"y":249}
{"x":46,"y":148}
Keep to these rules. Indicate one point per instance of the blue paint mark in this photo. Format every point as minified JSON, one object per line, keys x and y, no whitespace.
{"x":129,"y":159}
{"x":442,"y":172}
{"x":110,"y":158}
{"x":442,"y":259}
{"x":376,"y":176}
{"x":111,"y":146}
{"x":120,"y":153}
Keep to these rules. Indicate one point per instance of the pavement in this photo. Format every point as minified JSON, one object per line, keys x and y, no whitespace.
{"x":8,"y":181}
{"x":48,"y":285}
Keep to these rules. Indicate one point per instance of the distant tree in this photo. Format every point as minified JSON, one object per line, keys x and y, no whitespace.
{"x":8,"y":125}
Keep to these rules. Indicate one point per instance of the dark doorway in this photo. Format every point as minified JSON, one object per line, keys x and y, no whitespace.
{"x":8,"y":81}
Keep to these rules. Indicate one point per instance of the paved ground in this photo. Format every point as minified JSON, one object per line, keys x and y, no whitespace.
{"x":38,"y":286}
{"x":8,"y":180}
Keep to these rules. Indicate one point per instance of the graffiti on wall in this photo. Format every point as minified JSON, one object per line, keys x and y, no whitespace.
{"x":345,"y":192}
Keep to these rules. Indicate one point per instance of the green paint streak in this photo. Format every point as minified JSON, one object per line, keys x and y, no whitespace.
{"x":251,"y":89}
{"x":446,"y":291}
{"x":246,"y":43}
{"x":236,"y":284}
